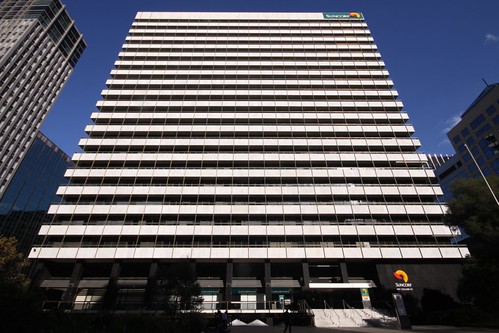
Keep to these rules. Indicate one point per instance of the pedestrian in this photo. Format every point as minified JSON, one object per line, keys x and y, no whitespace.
{"x":219,"y":328}
{"x":225,"y":319}
{"x":287,"y":321}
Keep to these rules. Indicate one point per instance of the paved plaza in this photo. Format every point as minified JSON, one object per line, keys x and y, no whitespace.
{"x":300,"y":329}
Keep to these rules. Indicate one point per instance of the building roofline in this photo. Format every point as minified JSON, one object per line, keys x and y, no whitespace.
{"x":482,"y":95}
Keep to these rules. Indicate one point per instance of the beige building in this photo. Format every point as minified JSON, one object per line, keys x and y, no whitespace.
{"x":266,"y":154}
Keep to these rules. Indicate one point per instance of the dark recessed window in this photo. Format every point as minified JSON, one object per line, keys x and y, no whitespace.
{"x":465,"y":131}
{"x":482,"y":130}
{"x":491,"y":109}
{"x":477,"y":121}
{"x":456,"y":139}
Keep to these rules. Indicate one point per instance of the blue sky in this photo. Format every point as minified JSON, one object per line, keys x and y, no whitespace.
{"x":437,"y":52}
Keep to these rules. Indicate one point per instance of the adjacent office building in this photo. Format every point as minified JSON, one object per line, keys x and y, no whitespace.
{"x":39,"y":47}
{"x":32,"y":190}
{"x":476,"y":135}
{"x":265,"y":154}
{"x":475,"y":139}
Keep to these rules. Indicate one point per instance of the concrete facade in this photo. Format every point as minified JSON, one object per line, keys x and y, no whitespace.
{"x":265,"y":154}
{"x":39,"y":47}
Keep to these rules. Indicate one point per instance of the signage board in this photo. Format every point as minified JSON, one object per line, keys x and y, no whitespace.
{"x":364,"y":292}
{"x":403,"y":277}
{"x":344,"y":16}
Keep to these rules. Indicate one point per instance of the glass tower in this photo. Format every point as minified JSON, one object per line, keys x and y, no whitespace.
{"x":32,"y":190}
{"x":39,"y":46}
{"x":264,"y":153}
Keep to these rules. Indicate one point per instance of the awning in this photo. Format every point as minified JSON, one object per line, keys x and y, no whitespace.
{"x":349,"y":285}
{"x":132,"y":282}
{"x":285,"y":284}
{"x":94,"y":284}
{"x":55,"y":284}
{"x":208,"y":283}
{"x":246,"y":283}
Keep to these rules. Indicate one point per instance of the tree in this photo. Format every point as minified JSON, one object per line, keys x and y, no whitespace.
{"x":474,"y":210}
{"x":17,"y":302}
{"x":12,"y":265}
{"x":179,"y":290}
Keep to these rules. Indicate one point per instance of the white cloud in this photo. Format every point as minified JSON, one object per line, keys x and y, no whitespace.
{"x":451,"y":122}
{"x":490,"y":38}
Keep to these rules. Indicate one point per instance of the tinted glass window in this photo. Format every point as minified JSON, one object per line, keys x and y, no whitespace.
{"x":478,"y":120}
{"x":491,"y":109}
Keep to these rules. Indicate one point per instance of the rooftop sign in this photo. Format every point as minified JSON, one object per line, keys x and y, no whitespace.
{"x":352,"y":15}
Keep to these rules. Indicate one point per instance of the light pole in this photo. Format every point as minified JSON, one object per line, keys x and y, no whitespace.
{"x":481,"y":173}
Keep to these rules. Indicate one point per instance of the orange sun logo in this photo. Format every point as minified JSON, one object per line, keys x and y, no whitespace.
{"x":356,"y":15}
{"x":401,"y":275}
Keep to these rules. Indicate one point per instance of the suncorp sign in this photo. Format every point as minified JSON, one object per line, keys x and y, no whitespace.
{"x":403,"y":276}
{"x":352,"y":15}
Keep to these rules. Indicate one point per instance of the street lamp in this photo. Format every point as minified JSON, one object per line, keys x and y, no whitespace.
{"x":481,"y":173}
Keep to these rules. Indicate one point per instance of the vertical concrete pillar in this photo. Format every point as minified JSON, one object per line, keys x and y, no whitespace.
{"x":268,"y":284}
{"x":344,"y":272}
{"x":39,"y":274}
{"x":228,"y":282}
{"x":70,"y":293}
{"x":306,"y":276}
{"x":151,"y":286}
{"x":111,"y":295}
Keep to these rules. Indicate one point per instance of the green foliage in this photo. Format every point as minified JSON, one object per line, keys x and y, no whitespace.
{"x":17,"y":303}
{"x":474,"y":209}
{"x":437,"y":308}
{"x":12,"y":265}
{"x":179,"y":291}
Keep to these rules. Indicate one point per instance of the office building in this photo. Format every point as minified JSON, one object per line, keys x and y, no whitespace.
{"x":39,"y":47}
{"x":476,"y":135}
{"x":263,"y":154}
{"x":32,"y":190}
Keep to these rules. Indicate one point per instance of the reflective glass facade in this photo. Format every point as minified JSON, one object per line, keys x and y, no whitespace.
{"x":32,"y":190}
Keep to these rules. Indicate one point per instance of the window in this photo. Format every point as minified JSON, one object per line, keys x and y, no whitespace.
{"x":482,"y":130}
{"x":491,"y":109}
{"x":457,"y":139}
{"x":465,"y":131}
{"x":489,"y":146}
{"x":472,"y":167}
{"x":477,"y":121}
{"x":495,"y":165}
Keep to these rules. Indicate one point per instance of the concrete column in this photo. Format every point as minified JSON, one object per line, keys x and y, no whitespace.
{"x":268,"y":286}
{"x":228,"y":282}
{"x":344,"y":272}
{"x":40,"y":273}
{"x":112,"y":288}
{"x":70,"y":293}
{"x":306,"y":276}
{"x":151,"y":286}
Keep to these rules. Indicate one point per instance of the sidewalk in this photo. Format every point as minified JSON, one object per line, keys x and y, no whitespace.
{"x":418,"y":329}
